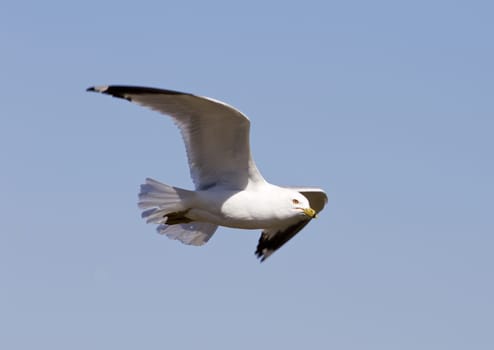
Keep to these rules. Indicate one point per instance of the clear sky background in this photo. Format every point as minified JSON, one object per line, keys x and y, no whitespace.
{"x":387,"y":105}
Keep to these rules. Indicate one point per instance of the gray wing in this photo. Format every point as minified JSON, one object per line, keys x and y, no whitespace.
{"x":272,"y":240}
{"x":216,"y":135}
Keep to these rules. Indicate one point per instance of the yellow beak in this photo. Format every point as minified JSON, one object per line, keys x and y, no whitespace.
{"x":310,"y":213}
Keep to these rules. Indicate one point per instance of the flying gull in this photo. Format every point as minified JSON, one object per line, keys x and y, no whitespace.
{"x":229,"y":189}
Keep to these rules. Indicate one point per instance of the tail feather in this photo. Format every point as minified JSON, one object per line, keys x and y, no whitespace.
{"x":159,"y":200}
{"x":154,"y":216}
{"x":157,"y":194}
{"x":194,"y":233}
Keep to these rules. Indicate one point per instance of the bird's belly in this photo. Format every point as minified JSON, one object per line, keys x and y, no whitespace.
{"x":238,"y":210}
{"x":235,"y":221}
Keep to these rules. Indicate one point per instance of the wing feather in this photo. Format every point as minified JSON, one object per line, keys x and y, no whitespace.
{"x":273,"y":239}
{"x":216,"y":135}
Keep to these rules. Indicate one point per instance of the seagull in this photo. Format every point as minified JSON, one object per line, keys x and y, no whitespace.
{"x":229,"y":189}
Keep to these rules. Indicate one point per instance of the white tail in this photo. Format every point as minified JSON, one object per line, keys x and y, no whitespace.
{"x":157,"y":195}
{"x":193,"y":233}
{"x":158,"y":200}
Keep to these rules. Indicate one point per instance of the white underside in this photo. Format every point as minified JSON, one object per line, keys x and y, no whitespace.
{"x":260,"y":207}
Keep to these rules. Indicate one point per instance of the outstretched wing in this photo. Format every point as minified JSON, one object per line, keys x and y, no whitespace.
{"x":271,"y":240}
{"x":216,"y":135}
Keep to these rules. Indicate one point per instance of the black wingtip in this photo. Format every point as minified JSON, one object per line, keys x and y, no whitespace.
{"x":262,"y":257}
{"x":126,"y":91}
{"x":112,"y":90}
{"x":120,"y":90}
{"x":103,"y":89}
{"x":262,"y":254}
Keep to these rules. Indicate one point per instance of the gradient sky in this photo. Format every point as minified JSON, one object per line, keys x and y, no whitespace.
{"x":387,"y":105}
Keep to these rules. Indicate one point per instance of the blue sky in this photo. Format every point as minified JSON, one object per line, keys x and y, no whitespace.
{"x":387,"y":105}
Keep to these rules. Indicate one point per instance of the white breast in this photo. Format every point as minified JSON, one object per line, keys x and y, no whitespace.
{"x":249,"y":209}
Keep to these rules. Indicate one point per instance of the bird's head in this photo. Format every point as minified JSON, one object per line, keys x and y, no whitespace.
{"x":300,"y":204}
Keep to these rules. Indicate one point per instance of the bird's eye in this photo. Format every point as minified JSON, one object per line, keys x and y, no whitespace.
{"x":295,"y":201}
